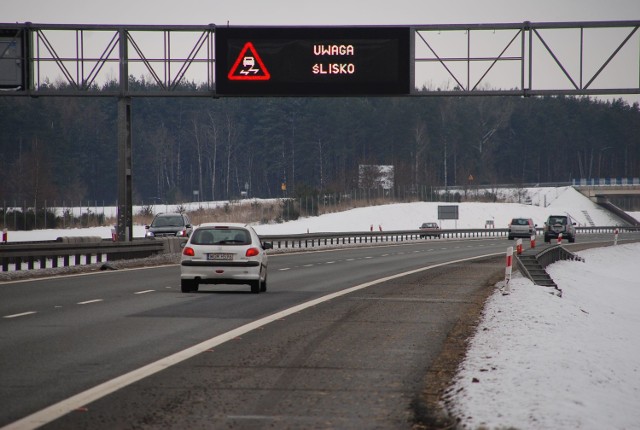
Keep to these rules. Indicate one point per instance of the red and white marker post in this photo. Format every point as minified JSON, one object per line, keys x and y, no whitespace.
{"x":5,"y":236}
{"x":533,"y":241}
{"x":508,"y":270}
{"x":519,"y":246}
{"x":560,"y":239}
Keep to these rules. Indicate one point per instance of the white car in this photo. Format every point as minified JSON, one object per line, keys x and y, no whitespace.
{"x":224,"y":253}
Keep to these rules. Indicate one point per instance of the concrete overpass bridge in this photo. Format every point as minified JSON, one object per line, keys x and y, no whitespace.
{"x":600,"y":192}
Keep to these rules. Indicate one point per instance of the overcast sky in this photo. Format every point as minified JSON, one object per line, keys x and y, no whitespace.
{"x":598,"y":47}
{"x":304,"y":12}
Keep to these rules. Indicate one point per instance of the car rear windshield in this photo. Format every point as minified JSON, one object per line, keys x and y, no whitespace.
{"x":226,"y":236}
{"x":519,"y":221}
{"x":558,"y":220}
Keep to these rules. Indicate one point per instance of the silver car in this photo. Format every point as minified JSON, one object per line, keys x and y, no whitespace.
{"x":224,"y":253}
{"x":521,"y":227}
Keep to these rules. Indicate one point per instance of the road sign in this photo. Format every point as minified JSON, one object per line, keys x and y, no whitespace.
{"x":249,"y":66}
{"x":448,"y":212}
{"x":274,"y":61}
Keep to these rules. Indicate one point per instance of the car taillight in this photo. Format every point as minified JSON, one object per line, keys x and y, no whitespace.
{"x":252,"y":252}
{"x":182,"y":233}
{"x":188,"y":251}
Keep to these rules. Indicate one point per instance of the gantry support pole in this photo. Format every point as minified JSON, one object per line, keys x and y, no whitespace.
{"x":125,"y":204}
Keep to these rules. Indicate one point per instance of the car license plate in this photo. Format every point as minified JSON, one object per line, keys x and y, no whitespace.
{"x":220,"y":256}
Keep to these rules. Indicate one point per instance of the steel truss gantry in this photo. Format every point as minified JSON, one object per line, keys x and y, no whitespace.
{"x":522,"y":59}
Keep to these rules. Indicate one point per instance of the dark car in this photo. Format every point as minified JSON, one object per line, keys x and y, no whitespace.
{"x":429,"y":229}
{"x":169,"y":225}
{"x":559,"y":224}
{"x":521,"y":227}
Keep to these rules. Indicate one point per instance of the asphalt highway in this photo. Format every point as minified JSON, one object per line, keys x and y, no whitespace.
{"x":127,"y":349}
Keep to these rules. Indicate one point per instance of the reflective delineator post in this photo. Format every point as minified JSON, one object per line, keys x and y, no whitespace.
{"x":533,"y":241}
{"x":519,"y":246}
{"x":560,"y":239}
{"x":5,"y":236}
{"x":615,"y":236}
{"x":508,"y":270}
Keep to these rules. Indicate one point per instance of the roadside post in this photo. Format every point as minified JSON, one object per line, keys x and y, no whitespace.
{"x":5,"y":236}
{"x":615,"y":236}
{"x":533,"y":241}
{"x":519,"y":246}
{"x":507,"y":271}
{"x":560,"y":239}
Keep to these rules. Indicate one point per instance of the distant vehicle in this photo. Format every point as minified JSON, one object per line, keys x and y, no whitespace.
{"x":224,"y":253}
{"x":431,"y":229}
{"x":521,"y":227}
{"x":559,"y":224}
{"x":169,"y":225}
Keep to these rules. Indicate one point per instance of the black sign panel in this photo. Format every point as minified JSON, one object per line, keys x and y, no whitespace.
{"x":13,"y":52}
{"x":313,"y":60}
{"x":448,"y":212}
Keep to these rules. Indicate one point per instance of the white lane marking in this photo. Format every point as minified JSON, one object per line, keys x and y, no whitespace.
{"x":144,"y":292}
{"x":284,"y":268}
{"x":308,"y":265}
{"x":90,"y":301}
{"x":63,"y":407}
{"x":330,"y":262}
{"x":23,"y":314}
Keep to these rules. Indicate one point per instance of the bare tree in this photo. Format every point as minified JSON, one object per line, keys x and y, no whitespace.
{"x":199,"y":149}
{"x":213,"y":152}
{"x":421,"y":142}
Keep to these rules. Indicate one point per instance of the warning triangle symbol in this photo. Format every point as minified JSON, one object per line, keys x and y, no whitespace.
{"x":249,"y":66}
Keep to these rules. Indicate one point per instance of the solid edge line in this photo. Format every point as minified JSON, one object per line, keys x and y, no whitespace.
{"x":63,"y":407}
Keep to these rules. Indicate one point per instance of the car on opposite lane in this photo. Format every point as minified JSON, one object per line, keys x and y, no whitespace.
{"x":224,"y":253}
{"x":429,"y":229}
{"x":169,"y":225}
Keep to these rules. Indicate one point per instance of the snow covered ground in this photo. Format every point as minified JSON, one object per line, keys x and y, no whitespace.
{"x":537,"y":361}
{"x":406,"y":216}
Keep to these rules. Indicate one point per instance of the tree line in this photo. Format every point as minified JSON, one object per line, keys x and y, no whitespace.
{"x":59,"y":148}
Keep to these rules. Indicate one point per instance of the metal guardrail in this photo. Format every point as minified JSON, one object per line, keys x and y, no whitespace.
{"x":63,"y":253}
{"x":70,"y":251}
{"x":553,"y":254}
{"x":312,"y":240}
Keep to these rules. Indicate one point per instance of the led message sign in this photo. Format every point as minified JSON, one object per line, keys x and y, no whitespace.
{"x":313,"y":60}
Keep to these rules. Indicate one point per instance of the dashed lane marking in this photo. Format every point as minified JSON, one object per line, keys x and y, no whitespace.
{"x":23,"y":314}
{"x":90,"y":301}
